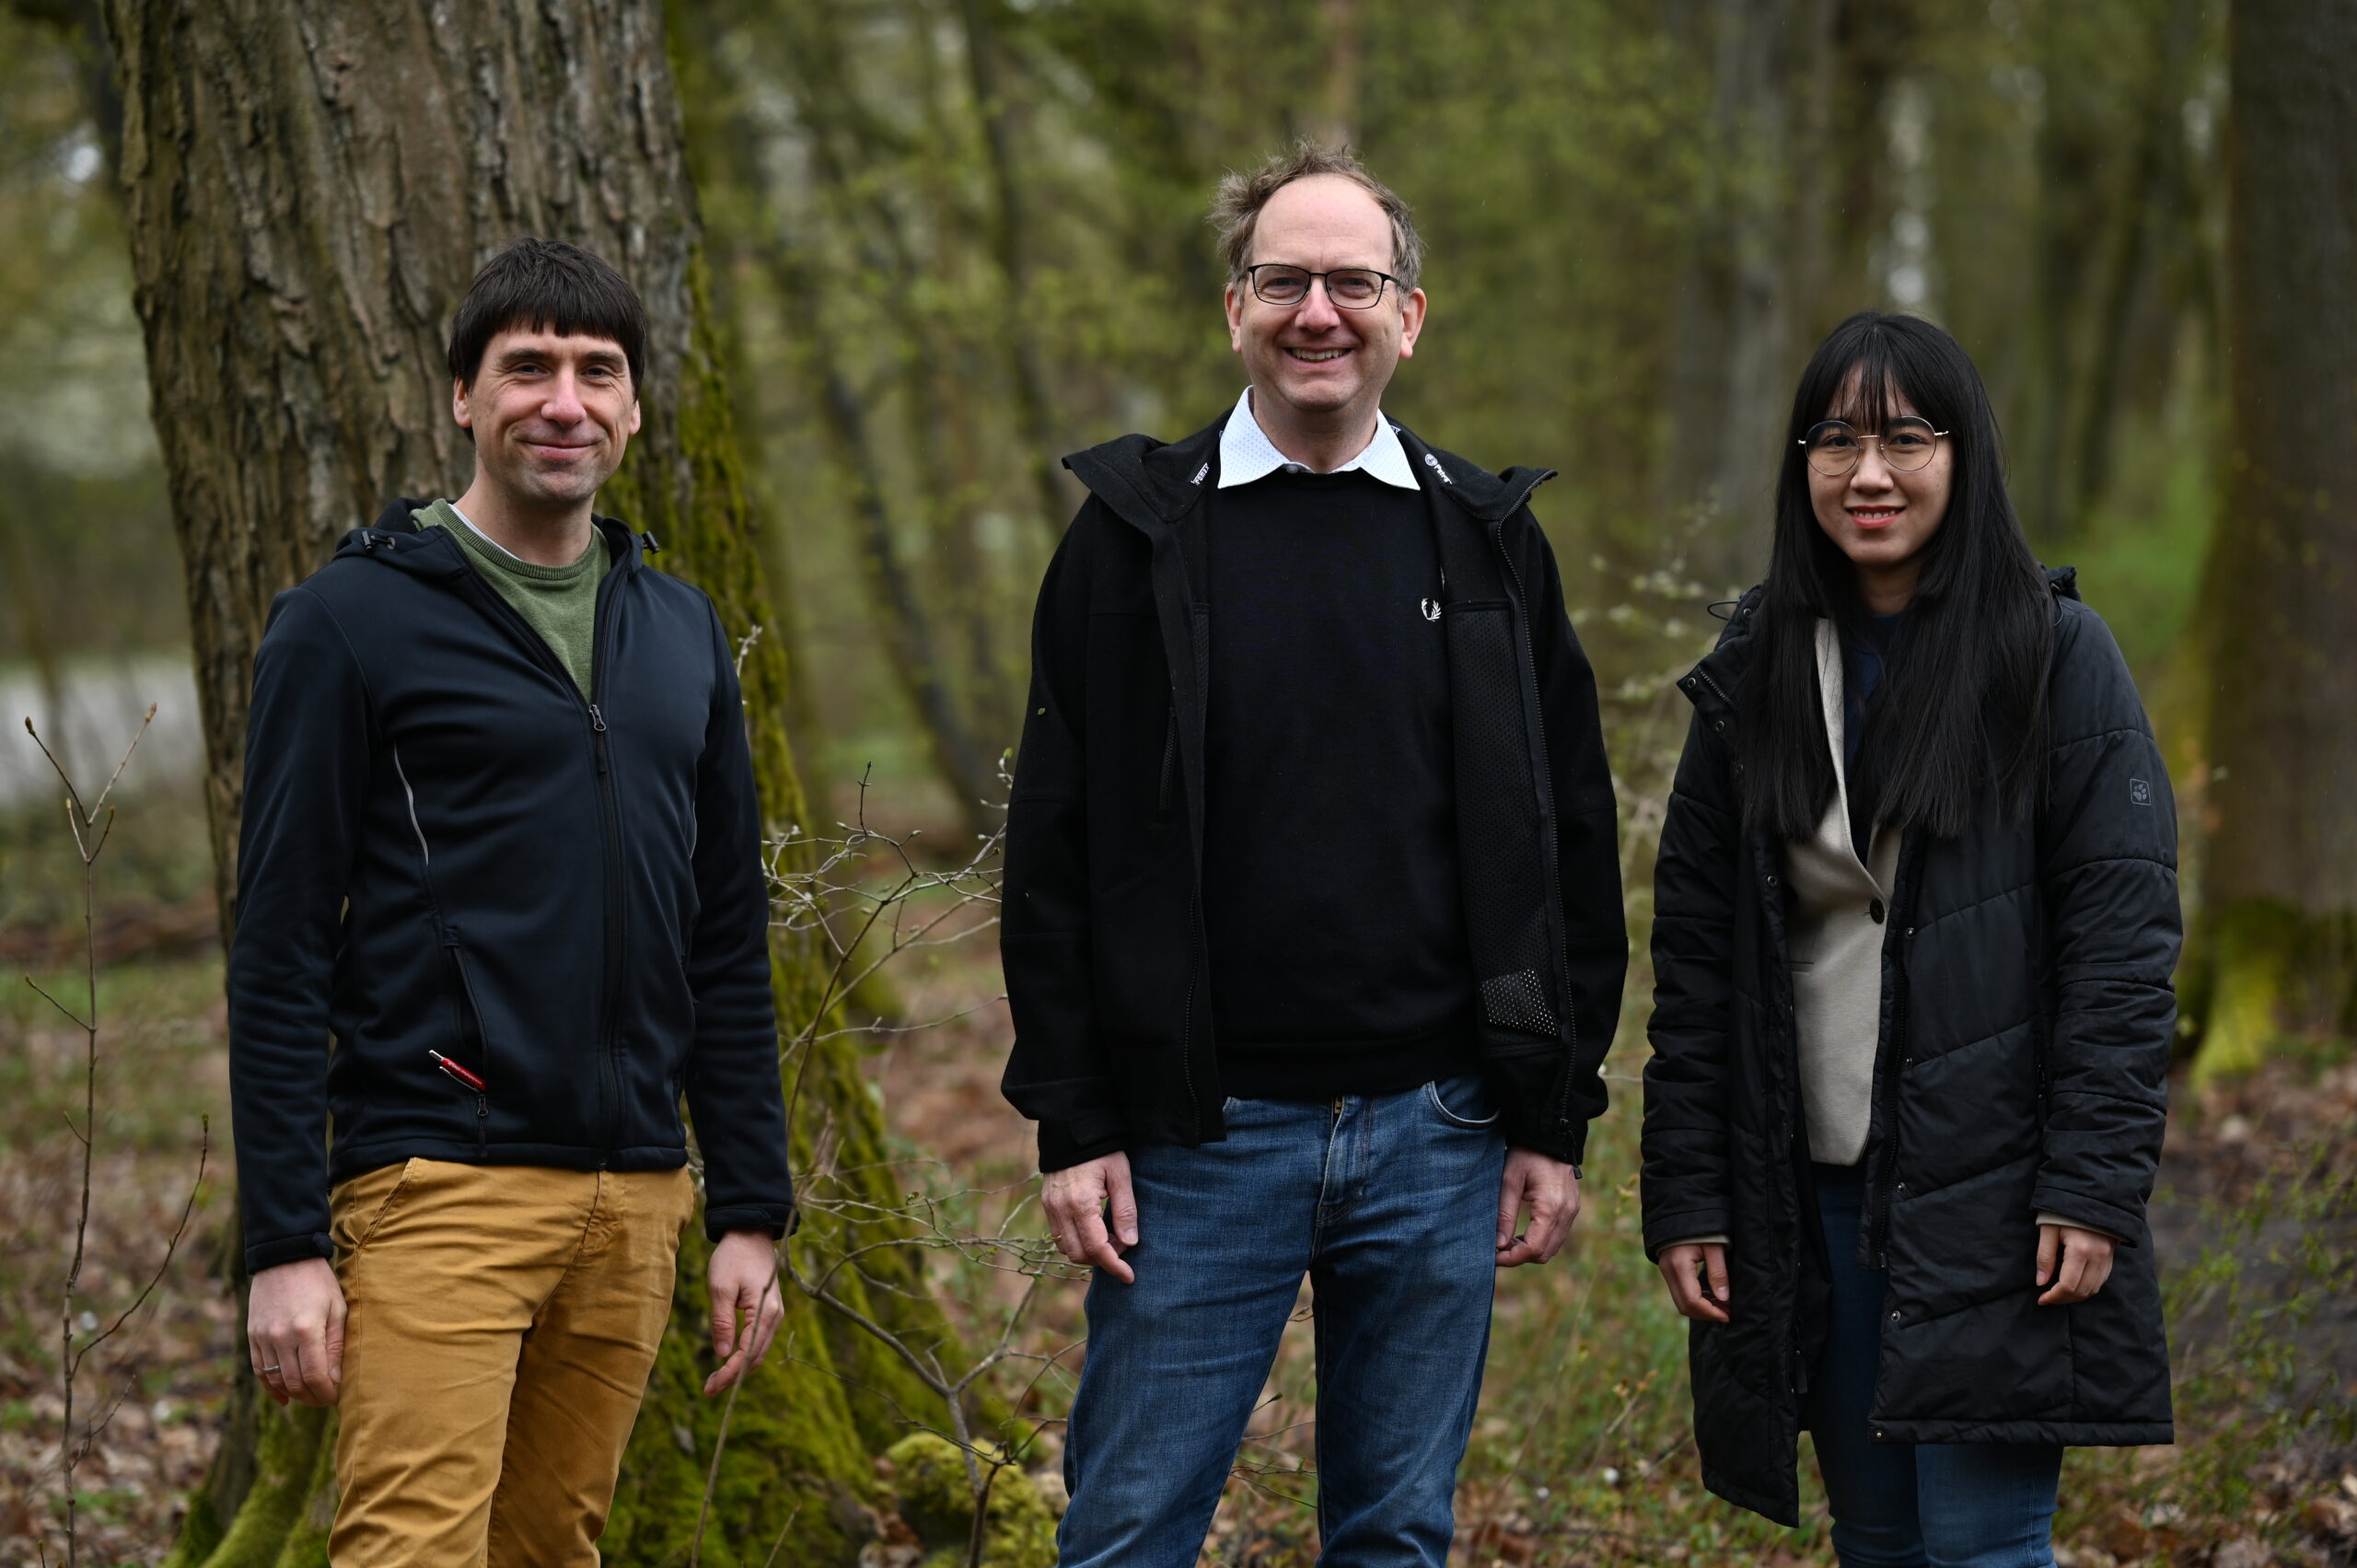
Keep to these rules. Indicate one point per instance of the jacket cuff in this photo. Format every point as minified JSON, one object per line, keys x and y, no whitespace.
{"x":718,"y":1223}
{"x":1068,"y":1142}
{"x":2124,"y":1225}
{"x":2047,"y":1216}
{"x":1565,"y":1141}
{"x":1686,"y":1224}
{"x":261,"y":1255}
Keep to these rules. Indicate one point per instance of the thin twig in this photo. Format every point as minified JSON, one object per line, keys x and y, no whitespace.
{"x":61,"y":1006}
{"x":790,"y":1513}
{"x":727,"y":1410}
{"x":179,"y":1233}
{"x":80,"y":821}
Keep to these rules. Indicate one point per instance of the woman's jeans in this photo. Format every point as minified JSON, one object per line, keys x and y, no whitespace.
{"x":1388,"y":1203}
{"x":1911,"y":1505}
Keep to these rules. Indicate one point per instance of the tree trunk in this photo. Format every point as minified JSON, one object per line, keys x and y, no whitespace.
{"x":1757,"y":252}
{"x":2280,"y":892}
{"x":1009,"y":229}
{"x":310,"y":188}
{"x":859,"y":161}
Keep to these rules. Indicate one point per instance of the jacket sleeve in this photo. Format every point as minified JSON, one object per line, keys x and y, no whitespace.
{"x":309,"y":755}
{"x":1697,"y":875}
{"x":1056,"y":1073}
{"x":2107,"y":867}
{"x":1587,"y":864}
{"x":732,"y":1080}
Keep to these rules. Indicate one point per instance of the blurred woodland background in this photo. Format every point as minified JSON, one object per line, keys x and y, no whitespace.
{"x":903,"y":255}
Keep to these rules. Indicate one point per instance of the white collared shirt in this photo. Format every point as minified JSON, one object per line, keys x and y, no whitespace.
{"x":1245,"y":453}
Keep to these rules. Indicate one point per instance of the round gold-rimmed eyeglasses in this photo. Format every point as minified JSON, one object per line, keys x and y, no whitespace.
{"x":1350,"y":288}
{"x":1834,"y":447}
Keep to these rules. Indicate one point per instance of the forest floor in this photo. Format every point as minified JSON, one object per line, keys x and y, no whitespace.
{"x":1580,"y":1455}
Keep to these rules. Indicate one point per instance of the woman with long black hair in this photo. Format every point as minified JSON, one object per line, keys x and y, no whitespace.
{"x":1915,"y":917}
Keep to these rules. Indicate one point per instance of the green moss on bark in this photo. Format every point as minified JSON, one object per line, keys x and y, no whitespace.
{"x":293,"y":1466}
{"x":936,"y":1500}
{"x":2269,"y":973}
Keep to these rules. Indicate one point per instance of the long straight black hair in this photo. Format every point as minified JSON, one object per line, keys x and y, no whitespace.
{"x":1963,"y":705}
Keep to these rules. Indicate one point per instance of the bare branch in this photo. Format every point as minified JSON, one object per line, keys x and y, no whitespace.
{"x":72,"y":1016}
{"x":116,"y":777}
{"x":179,"y":1233}
{"x":744,"y":645}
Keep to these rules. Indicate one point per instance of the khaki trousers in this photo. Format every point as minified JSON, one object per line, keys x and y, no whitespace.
{"x":502,"y":1322}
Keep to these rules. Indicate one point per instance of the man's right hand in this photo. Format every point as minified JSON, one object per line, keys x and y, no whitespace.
{"x":1697,"y":1273}
{"x":1076,"y":1199}
{"x":295,"y":1331}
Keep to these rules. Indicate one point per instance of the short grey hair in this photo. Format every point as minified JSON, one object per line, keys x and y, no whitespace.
{"x":1236,"y":210}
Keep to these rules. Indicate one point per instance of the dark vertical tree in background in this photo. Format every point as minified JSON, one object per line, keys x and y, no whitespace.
{"x":1755,"y":266}
{"x":309,"y":189}
{"x":2280,"y":889}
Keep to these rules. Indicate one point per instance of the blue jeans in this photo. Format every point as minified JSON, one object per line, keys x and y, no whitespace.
{"x":1911,"y":1505}
{"x":1388,"y":1203}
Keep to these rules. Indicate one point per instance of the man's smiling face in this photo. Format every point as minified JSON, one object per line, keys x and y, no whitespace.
{"x":1326,"y":364}
{"x":551,"y":416}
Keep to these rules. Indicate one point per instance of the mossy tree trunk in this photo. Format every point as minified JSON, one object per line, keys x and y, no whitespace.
{"x":2279,"y":954}
{"x":309,"y":189}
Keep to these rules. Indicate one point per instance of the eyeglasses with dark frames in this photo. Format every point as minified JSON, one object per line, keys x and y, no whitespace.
{"x":1834,"y":447}
{"x":1350,"y":288}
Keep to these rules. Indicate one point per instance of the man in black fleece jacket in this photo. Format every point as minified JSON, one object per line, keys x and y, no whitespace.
{"x":501,"y":846}
{"x":1313,"y":929}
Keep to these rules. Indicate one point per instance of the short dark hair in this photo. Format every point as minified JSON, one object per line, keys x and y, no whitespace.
{"x":548,"y":286}
{"x":1236,"y":210}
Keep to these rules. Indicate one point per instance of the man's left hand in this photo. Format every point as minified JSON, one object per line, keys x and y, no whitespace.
{"x":746,"y":1306}
{"x":1550,"y":1192}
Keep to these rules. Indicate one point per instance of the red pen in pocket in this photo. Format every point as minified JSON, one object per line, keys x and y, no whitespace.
{"x":454,"y":1071}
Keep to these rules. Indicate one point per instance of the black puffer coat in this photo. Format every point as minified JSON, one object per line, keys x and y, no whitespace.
{"x":2026,"y":1016}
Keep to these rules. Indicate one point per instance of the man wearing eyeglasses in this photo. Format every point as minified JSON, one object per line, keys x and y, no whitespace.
{"x":1313,"y":929}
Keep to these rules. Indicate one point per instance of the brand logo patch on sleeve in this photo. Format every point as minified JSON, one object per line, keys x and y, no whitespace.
{"x":2140,"y":793}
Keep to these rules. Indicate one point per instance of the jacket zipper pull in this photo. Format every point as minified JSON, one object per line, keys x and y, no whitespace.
{"x":598,"y":735}
{"x":596,"y":719}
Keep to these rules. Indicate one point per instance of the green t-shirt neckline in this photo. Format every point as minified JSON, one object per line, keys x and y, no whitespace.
{"x":559,"y":603}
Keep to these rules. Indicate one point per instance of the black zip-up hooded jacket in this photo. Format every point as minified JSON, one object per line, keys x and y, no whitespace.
{"x":448,"y":849}
{"x":2021,"y":1067}
{"x":1103,"y":940}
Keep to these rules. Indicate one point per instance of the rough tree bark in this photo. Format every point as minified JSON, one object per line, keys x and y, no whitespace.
{"x":309,"y":189}
{"x":2280,"y":891}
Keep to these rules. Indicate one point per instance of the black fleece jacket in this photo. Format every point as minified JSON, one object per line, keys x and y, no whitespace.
{"x":1103,"y":939}
{"x":447,"y":850}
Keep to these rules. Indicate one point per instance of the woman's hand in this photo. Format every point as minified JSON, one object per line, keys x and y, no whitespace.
{"x":1697,"y":1273}
{"x":2085,"y":1263}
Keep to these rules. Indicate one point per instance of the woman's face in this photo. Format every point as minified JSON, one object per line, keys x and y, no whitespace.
{"x":1881,"y":513}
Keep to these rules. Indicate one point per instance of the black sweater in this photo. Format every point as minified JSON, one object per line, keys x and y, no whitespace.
{"x":1338,"y":954}
{"x":1105,"y":945}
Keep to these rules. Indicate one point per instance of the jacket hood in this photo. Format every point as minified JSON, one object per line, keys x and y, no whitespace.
{"x":394,"y":539}
{"x":1153,"y":484}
